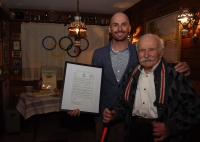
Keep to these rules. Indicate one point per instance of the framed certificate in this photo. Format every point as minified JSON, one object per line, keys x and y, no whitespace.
{"x":81,"y":87}
{"x":49,"y":77}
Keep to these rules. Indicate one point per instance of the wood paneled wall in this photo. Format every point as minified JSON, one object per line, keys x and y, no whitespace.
{"x":147,"y":10}
{"x":190,"y":53}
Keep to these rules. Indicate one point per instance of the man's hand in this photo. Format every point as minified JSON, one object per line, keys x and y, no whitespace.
{"x":75,"y":112}
{"x":108,"y":115}
{"x":182,"y":67}
{"x":160,"y":131}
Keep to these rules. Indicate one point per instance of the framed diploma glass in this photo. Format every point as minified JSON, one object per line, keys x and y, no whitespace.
{"x":81,"y":87}
{"x":49,"y":77}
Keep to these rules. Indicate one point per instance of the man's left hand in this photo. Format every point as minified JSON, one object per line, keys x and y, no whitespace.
{"x":160,"y":131}
{"x":182,"y":67}
{"x":75,"y":112}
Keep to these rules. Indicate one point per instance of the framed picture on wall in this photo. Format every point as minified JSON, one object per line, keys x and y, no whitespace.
{"x":16,"y":36}
{"x":16,"y":45}
{"x":16,"y":54}
{"x":49,"y":77}
{"x":16,"y":63}
{"x":167,"y":28}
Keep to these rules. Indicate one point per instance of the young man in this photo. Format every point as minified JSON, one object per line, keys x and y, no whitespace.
{"x":158,"y":103}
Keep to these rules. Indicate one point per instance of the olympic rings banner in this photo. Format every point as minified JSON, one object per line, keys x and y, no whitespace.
{"x":49,"y":44}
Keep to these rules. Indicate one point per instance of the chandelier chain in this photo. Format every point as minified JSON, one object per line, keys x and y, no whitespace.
{"x":78,"y":7}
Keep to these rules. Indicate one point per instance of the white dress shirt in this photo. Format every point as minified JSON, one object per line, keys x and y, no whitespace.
{"x":145,"y":95}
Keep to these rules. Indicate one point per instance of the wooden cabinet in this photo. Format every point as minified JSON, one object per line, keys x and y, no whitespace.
{"x":4,"y":65}
{"x":4,"y":101}
{"x":4,"y":47}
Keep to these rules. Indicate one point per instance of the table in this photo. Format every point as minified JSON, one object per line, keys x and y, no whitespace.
{"x":29,"y":106}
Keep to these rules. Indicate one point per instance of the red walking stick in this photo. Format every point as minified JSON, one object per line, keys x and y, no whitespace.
{"x":104,"y":133}
{"x":105,"y":129}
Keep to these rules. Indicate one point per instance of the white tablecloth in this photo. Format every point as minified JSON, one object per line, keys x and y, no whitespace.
{"x":29,"y":106}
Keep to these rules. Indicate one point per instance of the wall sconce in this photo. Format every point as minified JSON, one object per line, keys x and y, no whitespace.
{"x":188,"y":19}
{"x":130,"y":38}
{"x":77,"y":26}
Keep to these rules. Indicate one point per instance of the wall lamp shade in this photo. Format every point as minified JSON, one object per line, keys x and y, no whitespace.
{"x":130,"y":37}
{"x":188,"y":20}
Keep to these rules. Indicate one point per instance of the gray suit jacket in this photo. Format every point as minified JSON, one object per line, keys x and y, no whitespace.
{"x":110,"y":88}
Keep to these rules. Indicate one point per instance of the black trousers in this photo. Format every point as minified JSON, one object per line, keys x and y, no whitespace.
{"x":141,"y":132}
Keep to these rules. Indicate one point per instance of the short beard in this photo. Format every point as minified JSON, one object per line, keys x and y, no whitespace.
{"x":116,"y":39}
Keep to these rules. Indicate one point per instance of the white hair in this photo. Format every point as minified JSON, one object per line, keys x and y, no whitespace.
{"x":160,"y":41}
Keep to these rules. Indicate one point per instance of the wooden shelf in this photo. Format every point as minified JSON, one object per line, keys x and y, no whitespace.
{"x":4,"y":15}
{"x":50,"y":21}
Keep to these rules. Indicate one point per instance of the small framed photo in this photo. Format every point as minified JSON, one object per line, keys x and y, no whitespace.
{"x":16,"y":63}
{"x":16,"y":54}
{"x":16,"y":36}
{"x":16,"y":45}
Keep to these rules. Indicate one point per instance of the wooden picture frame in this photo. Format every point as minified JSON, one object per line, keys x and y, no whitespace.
{"x":167,"y":28}
{"x":16,"y":36}
{"x":16,"y":45}
{"x":17,"y":62}
{"x":16,"y":54}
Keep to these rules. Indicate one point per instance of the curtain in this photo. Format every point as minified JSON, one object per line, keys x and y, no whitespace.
{"x":40,"y":47}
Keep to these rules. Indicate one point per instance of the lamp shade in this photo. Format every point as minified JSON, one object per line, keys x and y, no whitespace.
{"x":77,"y":25}
{"x":185,"y":17}
{"x":129,"y":38}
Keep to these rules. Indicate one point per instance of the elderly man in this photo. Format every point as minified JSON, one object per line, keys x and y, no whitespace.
{"x":158,"y":103}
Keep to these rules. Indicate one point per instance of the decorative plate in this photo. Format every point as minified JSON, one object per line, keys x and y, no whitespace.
{"x":52,"y":16}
